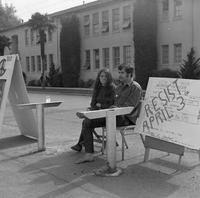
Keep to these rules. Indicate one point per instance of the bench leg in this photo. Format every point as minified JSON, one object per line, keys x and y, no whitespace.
{"x":123,"y":138}
{"x":146,"y":155}
{"x":122,"y":147}
{"x":103,"y":141}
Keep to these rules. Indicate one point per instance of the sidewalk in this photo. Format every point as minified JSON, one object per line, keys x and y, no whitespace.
{"x":26,"y":173}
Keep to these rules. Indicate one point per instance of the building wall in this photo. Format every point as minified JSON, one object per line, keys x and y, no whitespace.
{"x":196,"y":27}
{"x":110,"y":39}
{"x":172,"y":30}
{"x":32,"y":50}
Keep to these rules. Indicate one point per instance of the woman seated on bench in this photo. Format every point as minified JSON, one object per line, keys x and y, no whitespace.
{"x":102,"y":98}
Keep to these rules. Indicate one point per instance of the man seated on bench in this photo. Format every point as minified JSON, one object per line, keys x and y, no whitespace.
{"x":128,"y":93}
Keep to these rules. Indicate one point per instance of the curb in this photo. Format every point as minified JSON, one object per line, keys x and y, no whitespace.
{"x":65,"y":90}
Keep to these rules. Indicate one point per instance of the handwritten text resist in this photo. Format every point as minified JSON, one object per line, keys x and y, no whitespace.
{"x":157,"y":111}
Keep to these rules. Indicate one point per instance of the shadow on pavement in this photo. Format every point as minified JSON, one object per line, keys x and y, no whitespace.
{"x":15,"y":141}
{"x":78,"y":180}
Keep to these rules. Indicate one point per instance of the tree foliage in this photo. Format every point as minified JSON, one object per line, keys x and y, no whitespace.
{"x":54,"y":78}
{"x":7,"y":17}
{"x":70,"y":51}
{"x":145,"y":39}
{"x":41,"y":23}
{"x":4,"y":42}
{"x":190,"y":69}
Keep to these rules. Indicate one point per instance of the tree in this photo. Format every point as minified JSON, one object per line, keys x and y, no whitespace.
{"x":7,"y":17}
{"x":70,"y":51}
{"x":145,"y":39}
{"x":190,"y":69}
{"x":4,"y":42}
{"x":41,"y":23}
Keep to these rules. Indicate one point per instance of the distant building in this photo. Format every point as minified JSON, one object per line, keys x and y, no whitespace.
{"x":107,"y":36}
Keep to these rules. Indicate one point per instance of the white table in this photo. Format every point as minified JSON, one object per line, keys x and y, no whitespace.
{"x":110,"y":115}
{"x":40,"y":118}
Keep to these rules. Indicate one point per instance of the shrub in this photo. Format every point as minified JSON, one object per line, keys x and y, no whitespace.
{"x":54,"y":77}
{"x":34,"y":82}
{"x":190,"y":69}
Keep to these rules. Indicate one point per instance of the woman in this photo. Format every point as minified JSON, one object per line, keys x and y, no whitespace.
{"x":103,"y":97}
{"x":103,"y":93}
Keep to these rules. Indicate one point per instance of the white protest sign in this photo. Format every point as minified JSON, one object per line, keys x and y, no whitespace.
{"x":12,"y":87}
{"x":171,"y":111}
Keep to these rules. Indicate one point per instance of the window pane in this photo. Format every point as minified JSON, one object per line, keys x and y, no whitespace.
{"x":115,"y":19}
{"x":96,"y":58}
{"x":87,"y":59}
{"x":32,"y":37}
{"x":126,"y":13}
{"x":165,"y":5}
{"x":28,"y":64}
{"x":106,"y":57}
{"x":95,"y":23}
{"x":127,"y":54}
{"x":178,"y":53}
{"x":116,"y":57}
{"x":26,"y":37}
{"x":50,"y":36}
{"x":33,"y":63}
{"x":87,"y":25}
{"x":177,"y":8}
{"x":38,"y":63}
{"x":165,"y":54}
{"x":105,"y":21}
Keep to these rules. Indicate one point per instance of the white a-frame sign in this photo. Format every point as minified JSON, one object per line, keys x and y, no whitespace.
{"x":12,"y":87}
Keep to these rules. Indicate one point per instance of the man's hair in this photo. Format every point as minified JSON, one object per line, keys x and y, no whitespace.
{"x":129,"y":69}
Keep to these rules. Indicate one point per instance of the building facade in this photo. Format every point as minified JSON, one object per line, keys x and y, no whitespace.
{"x":106,"y":29}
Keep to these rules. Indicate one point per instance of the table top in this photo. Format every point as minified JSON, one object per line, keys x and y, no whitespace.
{"x":44,"y":104}
{"x":102,"y":113}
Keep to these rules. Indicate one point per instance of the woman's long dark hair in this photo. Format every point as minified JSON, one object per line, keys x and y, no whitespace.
{"x":98,"y":84}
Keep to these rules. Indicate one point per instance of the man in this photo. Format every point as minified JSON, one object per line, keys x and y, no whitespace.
{"x":128,"y":93}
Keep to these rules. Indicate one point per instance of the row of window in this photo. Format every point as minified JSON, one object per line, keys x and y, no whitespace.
{"x":34,"y":63}
{"x":105,"y":21}
{"x":106,"y":57}
{"x":32,"y":37}
{"x":178,"y":8}
{"x":177,"y":53}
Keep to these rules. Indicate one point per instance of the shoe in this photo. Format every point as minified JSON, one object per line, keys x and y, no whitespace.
{"x":77,"y":147}
{"x":88,"y":157}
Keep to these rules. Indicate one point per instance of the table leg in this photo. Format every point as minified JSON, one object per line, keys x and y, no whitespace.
{"x":111,"y":139}
{"x":110,"y":169}
{"x":40,"y":122}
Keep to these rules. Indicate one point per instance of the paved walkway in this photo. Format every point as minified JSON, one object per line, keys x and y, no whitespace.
{"x":25,"y":173}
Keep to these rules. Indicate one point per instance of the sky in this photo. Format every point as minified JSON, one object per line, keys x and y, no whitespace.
{"x":25,"y":8}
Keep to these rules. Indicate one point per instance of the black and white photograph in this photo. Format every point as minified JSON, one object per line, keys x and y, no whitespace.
{"x":100,"y":99}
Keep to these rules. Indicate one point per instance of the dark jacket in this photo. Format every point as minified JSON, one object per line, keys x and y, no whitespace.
{"x":105,"y":96}
{"x":129,"y":95}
